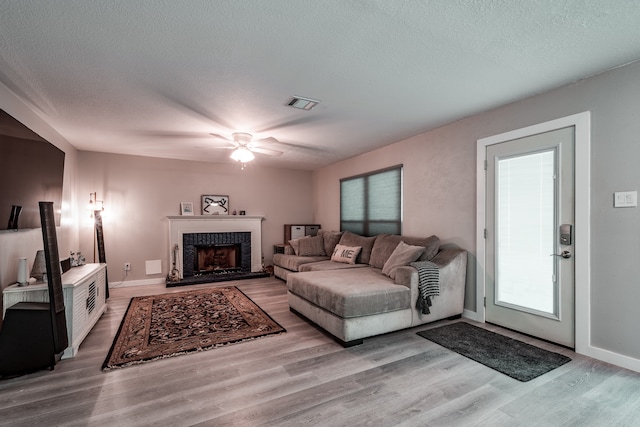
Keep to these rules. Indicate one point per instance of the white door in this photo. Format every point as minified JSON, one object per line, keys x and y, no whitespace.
{"x":529,"y":282}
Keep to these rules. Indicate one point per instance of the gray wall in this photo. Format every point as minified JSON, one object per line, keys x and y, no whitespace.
{"x":440,"y":193}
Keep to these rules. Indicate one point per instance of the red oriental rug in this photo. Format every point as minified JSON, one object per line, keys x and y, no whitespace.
{"x":167,"y":325}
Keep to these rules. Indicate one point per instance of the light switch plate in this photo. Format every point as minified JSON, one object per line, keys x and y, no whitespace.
{"x":625,"y":199}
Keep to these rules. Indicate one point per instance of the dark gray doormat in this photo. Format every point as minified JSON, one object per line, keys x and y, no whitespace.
{"x":514,"y":358}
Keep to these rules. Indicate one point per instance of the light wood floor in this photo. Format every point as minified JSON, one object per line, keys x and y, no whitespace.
{"x":303,"y":377}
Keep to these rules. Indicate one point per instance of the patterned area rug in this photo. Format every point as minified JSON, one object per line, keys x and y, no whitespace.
{"x":514,"y":358}
{"x":168,"y":325}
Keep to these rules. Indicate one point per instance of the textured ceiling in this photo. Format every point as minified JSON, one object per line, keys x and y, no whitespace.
{"x":155,"y":78}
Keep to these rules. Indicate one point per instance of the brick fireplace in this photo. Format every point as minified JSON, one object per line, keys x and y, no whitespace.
{"x":214,"y":245}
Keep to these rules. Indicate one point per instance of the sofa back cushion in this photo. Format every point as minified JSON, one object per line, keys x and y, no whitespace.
{"x":331,"y":239}
{"x":382,"y":249}
{"x":295,"y":244}
{"x":431,"y":244}
{"x":385,"y":244}
{"x":402,"y":255}
{"x":346,"y":254}
{"x":311,"y":246}
{"x":352,"y":239}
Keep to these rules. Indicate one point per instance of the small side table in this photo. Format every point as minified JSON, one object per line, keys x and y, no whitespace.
{"x":278,"y":248}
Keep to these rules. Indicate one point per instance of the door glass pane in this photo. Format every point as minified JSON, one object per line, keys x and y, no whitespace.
{"x":525,"y":232}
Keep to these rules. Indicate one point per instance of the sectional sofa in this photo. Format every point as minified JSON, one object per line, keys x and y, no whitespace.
{"x":356,"y":287}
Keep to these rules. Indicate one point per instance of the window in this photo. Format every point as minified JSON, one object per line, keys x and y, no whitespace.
{"x":371,"y":203}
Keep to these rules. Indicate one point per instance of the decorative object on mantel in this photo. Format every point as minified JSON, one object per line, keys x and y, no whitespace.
{"x":215,"y":205}
{"x":186,"y":208}
{"x":161,"y":326}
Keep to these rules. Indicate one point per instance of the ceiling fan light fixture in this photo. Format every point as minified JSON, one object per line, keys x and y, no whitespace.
{"x":302,"y":103}
{"x":242,"y":154}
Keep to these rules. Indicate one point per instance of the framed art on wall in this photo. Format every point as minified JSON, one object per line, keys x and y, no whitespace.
{"x":215,"y":205}
{"x":186,"y":208}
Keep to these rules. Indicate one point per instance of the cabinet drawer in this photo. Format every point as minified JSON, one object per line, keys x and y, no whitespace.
{"x":297,"y":231}
{"x":311,"y":230}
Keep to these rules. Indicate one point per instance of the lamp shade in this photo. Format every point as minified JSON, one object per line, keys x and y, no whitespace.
{"x":39,"y":266}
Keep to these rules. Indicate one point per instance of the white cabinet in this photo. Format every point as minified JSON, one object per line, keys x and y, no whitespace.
{"x":84,"y":290}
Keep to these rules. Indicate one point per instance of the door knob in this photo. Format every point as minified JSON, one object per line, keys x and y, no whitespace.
{"x":564,"y":254}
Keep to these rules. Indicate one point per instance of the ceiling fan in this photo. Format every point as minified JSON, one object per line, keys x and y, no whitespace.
{"x":243,"y":146}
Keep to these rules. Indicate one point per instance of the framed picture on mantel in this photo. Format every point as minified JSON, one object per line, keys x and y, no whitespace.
{"x":186,"y":208}
{"x":215,"y":205}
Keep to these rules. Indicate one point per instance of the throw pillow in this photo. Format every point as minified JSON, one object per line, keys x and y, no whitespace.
{"x":402,"y":255}
{"x":383,"y":248}
{"x":431,"y":243}
{"x":345,"y":254}
{"x":353,"y":239}
{"x":331,"y":239}
{"x":312,"y":246}
{"x":295,"y":244}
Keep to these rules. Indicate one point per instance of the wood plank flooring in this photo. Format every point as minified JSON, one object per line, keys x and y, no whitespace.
{"x":303,"y":377}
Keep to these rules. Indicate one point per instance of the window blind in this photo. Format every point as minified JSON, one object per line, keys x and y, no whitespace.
{"x":371,"y":203}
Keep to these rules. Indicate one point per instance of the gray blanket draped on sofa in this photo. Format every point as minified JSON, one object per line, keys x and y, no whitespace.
{"x":428,"y":284}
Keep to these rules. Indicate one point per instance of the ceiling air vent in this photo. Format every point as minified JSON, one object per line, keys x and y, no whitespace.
{"x":302,"y":103}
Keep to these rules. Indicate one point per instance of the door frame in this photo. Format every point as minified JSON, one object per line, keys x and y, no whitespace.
{"x":582,"y":124}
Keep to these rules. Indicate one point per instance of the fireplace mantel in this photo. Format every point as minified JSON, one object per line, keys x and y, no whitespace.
{"x":185,"y":224}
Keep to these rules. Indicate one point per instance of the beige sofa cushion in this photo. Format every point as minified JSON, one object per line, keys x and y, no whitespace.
{"x":351,"y":292}
{"x":385,"y":244}
{"x":295,"y":244}
{"x":293,"y":262}
{"x":402,"y":255}
{"x":328,"y":265}
{"x":312,"y":246}
{"x":431,"y":244}
{"x":331,"y":239}
{"x":352,"y":239}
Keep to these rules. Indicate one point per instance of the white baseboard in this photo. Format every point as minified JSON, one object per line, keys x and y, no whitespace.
{"x":129,"y":283}
{"x":613,"y":358}
{"x":471,"y":315}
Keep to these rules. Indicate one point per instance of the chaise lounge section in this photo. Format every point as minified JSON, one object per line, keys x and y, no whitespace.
{"x":377,"y":290}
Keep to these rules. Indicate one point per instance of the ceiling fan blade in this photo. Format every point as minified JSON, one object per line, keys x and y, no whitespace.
{"x":171,"y":135}
{"x":224,"y":138}
{"x":266,"y":151}
{"x":232,"y":144}
{"x":265,"y":140}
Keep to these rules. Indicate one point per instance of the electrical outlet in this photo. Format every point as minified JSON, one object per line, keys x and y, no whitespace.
{"x":127,"y":266}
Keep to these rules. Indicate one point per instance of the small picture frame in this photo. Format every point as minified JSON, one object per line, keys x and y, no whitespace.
{"x":215,"y":205}
{"x":186,"y":208}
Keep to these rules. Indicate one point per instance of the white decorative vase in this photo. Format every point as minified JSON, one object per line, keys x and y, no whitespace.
{"x":22,"y":272}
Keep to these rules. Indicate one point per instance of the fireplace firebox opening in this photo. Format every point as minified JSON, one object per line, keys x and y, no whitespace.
{"x":219,"y":258}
